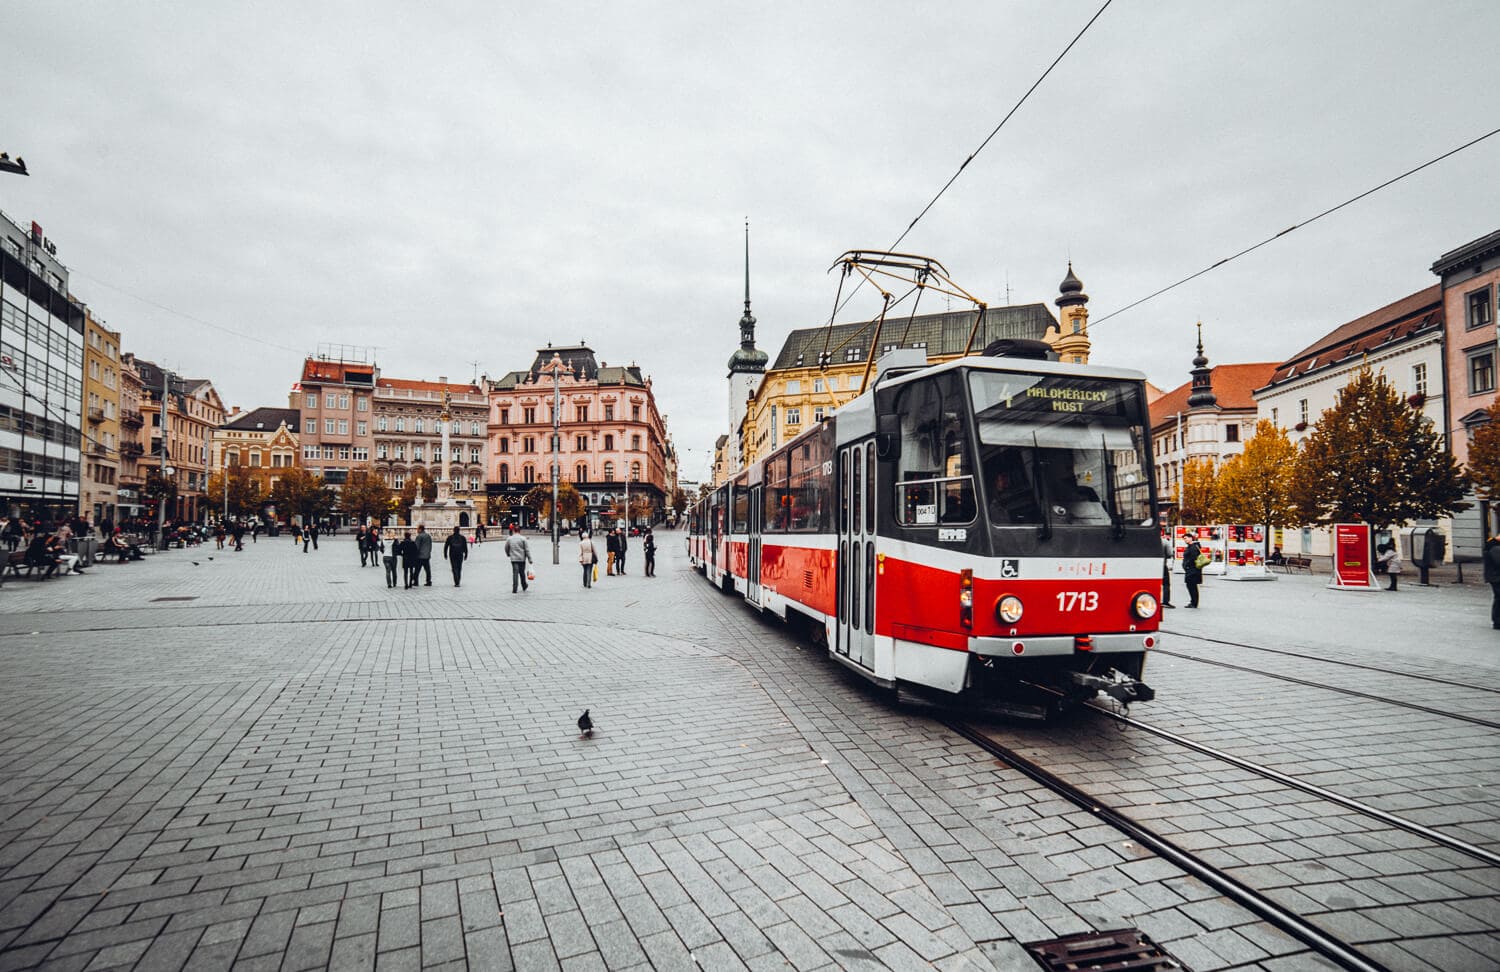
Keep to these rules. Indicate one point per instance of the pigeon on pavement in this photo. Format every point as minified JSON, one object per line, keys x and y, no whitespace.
{"x":585,"y":726}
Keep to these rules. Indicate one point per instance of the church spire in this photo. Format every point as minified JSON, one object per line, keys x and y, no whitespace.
{"x":748,"y":358}
{"x":1202,"y":393}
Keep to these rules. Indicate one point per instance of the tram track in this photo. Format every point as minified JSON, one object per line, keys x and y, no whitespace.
{"x":1355,"y":693}
{"x":1329,"y":946}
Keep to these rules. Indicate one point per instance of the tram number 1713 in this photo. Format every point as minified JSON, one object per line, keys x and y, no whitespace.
{"x":1078,"y":600}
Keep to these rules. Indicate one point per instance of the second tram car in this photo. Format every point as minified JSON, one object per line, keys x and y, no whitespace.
{"x":982,"y":528}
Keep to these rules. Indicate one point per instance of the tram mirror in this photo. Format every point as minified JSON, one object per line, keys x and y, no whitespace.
{"x":888,"y":437}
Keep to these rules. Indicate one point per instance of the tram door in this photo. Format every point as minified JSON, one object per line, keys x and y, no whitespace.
{"x":856,"y":571}
{"x":752,"y":567}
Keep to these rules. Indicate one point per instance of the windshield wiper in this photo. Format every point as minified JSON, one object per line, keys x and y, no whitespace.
{"x":1116,"y":521}
{"x":1039,"y":490}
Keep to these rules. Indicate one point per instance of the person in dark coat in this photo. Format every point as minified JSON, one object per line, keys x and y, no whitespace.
{"x":1166,"y":572}
{"x":620,"y":554}
{"x":455,"y":550}
{"x":424,"y":552}
{"x":361,"y":542}
{"x":406,"y":549}
{"x":1492,"y":577}
{"x":648,"y":545}
{"x":1192,"y":574}
{"x":611,"y":550}
{"x":390,"y":557}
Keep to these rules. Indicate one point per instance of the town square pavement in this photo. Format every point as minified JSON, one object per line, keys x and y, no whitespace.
{"x":267,"y":759}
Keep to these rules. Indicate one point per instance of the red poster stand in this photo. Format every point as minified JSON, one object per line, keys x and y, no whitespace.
{"x":1351,"y":558}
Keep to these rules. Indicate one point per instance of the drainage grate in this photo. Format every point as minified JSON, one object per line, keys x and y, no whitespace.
{"x":190,"y":597}
{"x":1127,"y":948}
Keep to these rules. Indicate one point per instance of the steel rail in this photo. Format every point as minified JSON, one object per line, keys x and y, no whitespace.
{"x":1390,"y":819}
{"x":1335,"y":688}
{"x":1335,"y":950}
{"x":1333,"y":661}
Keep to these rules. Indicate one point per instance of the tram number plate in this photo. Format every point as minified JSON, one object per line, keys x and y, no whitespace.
{"x":1078,"y":600}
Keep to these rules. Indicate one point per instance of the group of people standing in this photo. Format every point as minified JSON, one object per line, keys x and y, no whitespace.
{"x":616,"y":546}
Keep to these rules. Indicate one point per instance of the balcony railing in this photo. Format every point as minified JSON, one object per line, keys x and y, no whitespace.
{"x":132,"y":419}
{"x":132,"y":449}
{"x":96,"y":414}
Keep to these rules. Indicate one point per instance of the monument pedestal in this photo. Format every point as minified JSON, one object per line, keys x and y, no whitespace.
{"x":444,"y":513}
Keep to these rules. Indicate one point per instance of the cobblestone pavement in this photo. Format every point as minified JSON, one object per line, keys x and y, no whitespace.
{"x":286,"y":765}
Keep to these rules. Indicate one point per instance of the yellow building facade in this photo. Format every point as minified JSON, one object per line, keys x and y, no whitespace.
{"x":98,"y":492}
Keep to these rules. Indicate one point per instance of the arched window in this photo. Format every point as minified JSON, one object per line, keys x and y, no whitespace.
{"x":528,"y":474}
{"x":504,"y":473}
{"x":581,"y":473}
{"x":609,"y":470}
{"x":635,"y":471}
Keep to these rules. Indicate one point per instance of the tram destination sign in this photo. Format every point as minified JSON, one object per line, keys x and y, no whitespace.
{"x":1076,"y":397}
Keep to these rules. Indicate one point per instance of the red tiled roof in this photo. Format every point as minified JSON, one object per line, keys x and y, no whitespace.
{"x":1234,"y":386}
{"x":1393,"y":322}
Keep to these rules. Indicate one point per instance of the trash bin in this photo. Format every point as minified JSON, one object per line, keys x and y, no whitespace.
{"x":87,"y":549}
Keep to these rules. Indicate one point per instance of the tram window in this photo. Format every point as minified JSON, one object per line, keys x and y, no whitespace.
{"x":809,"y":487}
{"x":854,"y":588}
{"x":741,"y":518}
{"x":934,"y":478}
{"x":870,"y":490}
{"x":844,"y":491}
{"x":776,"y":502}
{"x":870,"y":587}
{"x":858,"y":491}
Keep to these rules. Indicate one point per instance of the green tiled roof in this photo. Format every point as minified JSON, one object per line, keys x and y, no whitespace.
{"x":941,"y":334}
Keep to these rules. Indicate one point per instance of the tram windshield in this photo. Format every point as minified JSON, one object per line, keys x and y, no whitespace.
{"x":1061,"y":450}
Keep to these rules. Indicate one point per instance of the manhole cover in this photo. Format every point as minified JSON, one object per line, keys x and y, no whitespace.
{"x":189,"y":597}
{"x":1126,"y":948}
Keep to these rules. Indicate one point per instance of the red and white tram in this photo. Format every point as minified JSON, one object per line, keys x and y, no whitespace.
{"x":982,"y":528}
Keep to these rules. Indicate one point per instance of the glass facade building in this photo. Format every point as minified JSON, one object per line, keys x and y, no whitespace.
{"x":41,"y":378}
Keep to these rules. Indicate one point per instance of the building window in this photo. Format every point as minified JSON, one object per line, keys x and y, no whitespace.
{"x":311,"y":428}
{"x":582,"y":413}
{"x":853,"y":382}
{"x":794,"y":416}
{"x":398,"y":481}
{"x":635,"y":413}
{"x":1231,"y":433}
{"x":609,"y":413}
{"x":851,"y":354}
{"x":1419,"y":379}
{"x":400,"y":452}
{"x":528,"y":443}
{"x":794,"y":386}
{"x":473,"y":453}
{"x":473,"y":484}
{"x":505,"y":445}
{"x":417,"y":426}
{"x":635,"y":471}
{"x":417,"y":452}
{"x":328,"y":426}
{"x":329,"y":400}
{"x":581,"y":443}
{"x":343,"y":426}
{"x":581,"y":473}
{"x":505,"y":416}
{"x":400,"y":424}
{"x":1276,"y":417}
{"x":609,"y":442}
{"x":362,"y":404}
{"x":528,"y":474}
{"x":362,"y":454}
{"x":344,"y":453}
{"x":817,"y":384}
{"x":312,"y":401}
{"x":1479,"y":308}
{"x":504,"y":473}
{"x":609,"y":471}
{"x":380,"y":451}
{"x":528,"y":415}
{"x":328,"y":452}
{"x":344,"y":402}
{"x":817,"y":413}
{"x":1482,"y":371}
{"x":1302,"y":411}
{"x":380,"y":424}
{"x":361,"y":428}
{"x":635,"y":443}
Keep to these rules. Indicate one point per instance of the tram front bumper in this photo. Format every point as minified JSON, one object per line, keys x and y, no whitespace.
{"x":1044,"y":647}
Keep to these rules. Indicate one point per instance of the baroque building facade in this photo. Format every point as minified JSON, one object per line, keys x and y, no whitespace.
{"x":262,"y":440}
{"x":180,"y":416}
{"x":409,"y":435}
{"x":609,"y":432}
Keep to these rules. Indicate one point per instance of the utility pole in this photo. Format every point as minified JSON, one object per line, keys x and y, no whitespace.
{"x":556,"y":366}
{"x":161,"y":502}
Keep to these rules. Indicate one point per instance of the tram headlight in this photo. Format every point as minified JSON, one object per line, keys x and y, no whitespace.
{"x":1009,"y":609}
{"x":1144,"y":606}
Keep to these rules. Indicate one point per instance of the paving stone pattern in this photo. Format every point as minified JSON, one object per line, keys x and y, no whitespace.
{"x":300,"y":769}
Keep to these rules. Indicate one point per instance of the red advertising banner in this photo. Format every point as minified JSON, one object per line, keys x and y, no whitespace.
{"x":1351,"y":557}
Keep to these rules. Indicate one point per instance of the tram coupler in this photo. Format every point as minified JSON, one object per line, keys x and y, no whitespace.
{"x":1121,"y":688}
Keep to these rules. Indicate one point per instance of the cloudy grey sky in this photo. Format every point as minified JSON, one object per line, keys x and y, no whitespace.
{"x":234,"y":183}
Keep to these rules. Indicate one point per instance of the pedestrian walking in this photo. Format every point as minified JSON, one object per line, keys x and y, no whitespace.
{"x":406,"y":549}
{"x":611,"y":550}
{"x":520,"y":555}
{"x":648,"y":546}
{"x":219,"y":532}
{"x":237,"y":531}
{"x":620,"y":554}
{"x":589,"y":558}
{"x":376,"y":543}
{"x":1166,"y":572}
{"x":1192,"y":571}
{"x":1391,"y":557}
{"x":455,"y":550}
{"x":312,"y":531}
{"x":389,"y":558}
{"x":1492,"y":578}
{"x":364,"y":548}
{"x":424,"y":552}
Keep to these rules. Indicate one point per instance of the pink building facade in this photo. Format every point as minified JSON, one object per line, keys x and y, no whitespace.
{"x":609,"y":430}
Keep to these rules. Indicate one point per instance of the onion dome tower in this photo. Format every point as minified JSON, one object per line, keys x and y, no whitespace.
{"x":1072,"y":344}
{"x":1202,"y":394}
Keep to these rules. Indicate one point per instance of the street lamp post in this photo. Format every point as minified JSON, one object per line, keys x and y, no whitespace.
{"x":161,"y":501}
{"x":555,"y":367}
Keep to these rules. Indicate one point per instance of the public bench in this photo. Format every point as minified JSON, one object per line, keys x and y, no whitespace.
{"x":16,"y":563}
{"x":1295,"y":562}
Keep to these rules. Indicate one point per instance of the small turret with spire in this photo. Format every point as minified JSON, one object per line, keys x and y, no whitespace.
{"x":748,"y":359}
{"x":1202,"y":393}
{"x":1072,"y":342}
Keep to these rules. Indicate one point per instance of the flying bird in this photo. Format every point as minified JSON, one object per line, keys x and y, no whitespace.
{"x":195,"y":563}
{"x":585,"y":726}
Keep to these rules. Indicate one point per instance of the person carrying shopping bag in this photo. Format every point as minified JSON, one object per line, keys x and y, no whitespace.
{"x":588,"y":557}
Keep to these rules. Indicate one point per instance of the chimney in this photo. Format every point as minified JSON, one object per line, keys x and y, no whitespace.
{"x":442,"y":379}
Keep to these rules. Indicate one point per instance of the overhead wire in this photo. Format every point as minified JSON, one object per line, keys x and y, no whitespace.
{"x":1295,"y":226}
{"x":974,"y":154}
{"x":186,"y":316}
